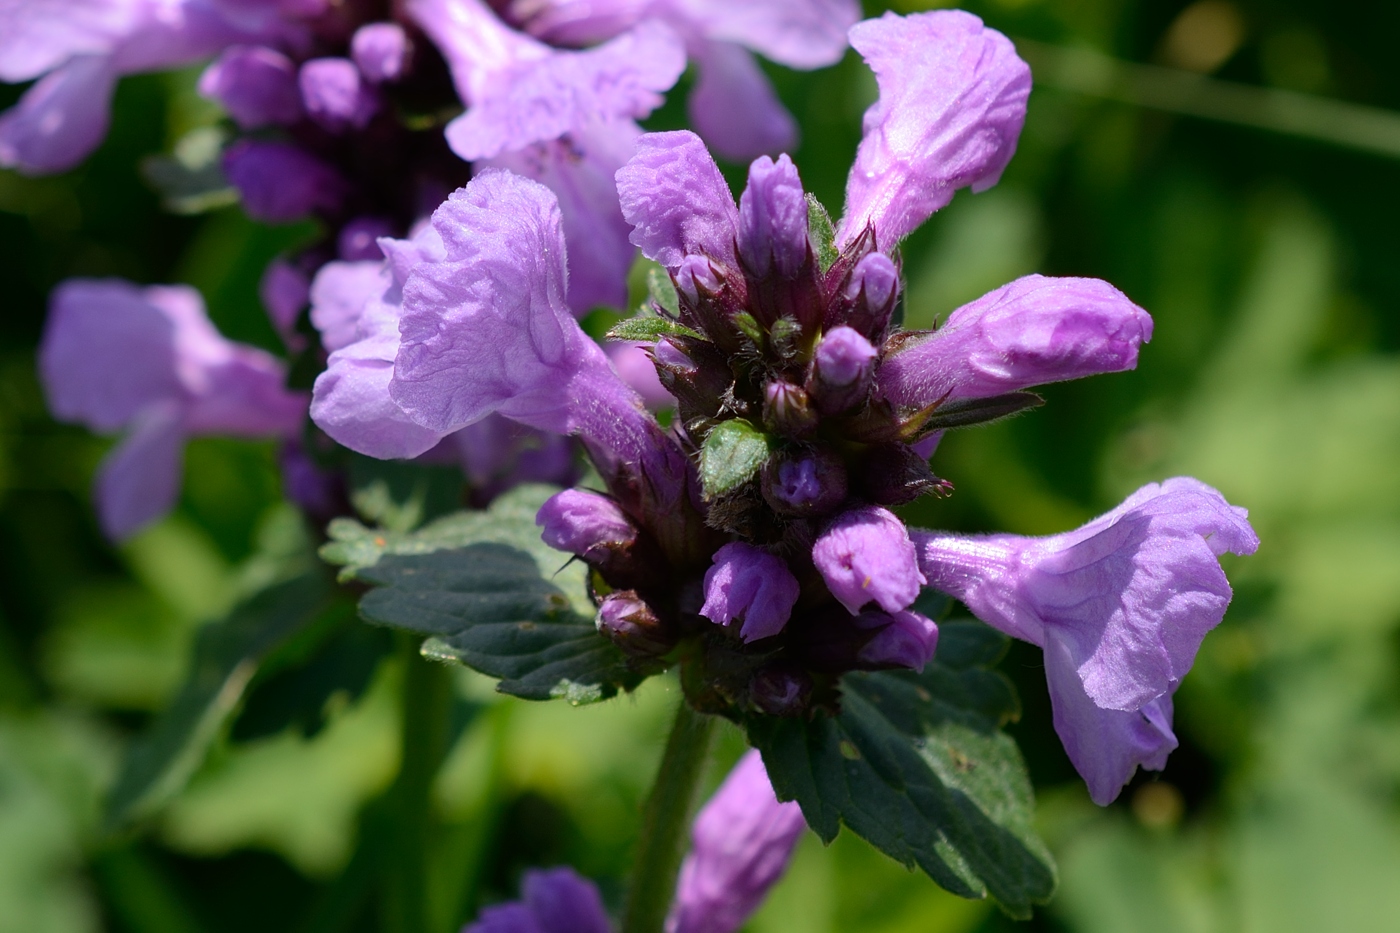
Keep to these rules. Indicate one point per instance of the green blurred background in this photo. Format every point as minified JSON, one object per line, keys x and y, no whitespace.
{"x":1271,"y":264}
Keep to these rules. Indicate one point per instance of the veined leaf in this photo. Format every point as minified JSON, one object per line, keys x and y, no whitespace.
{"x":648,"y":328}
{"x":821,"y":232}
{"x":731,"y":456}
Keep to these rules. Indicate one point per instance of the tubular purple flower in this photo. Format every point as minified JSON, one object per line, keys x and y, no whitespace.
{"x":748,"y":582}
{"x":865,"y":554}
{"x":1120,"y":607}
{"x":902,"y":639}
{"x":773,"y":219}
{"x":280,"y":182}
{"x":742,"y":842}
{"x":1032,"y":331}
{"x":627,"y":620}
{"x":677,"y":201}
{"x":942,"y":122}
{"x":115,"y":356}
{"x":380,"y":51}
{"x":554,"y":901}
{"x":255,"y":84}
{"x":336,"y":95}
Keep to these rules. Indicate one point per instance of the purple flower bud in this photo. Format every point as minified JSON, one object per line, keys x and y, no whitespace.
{"x":359,"y":239}
{"x":584,"y":523}
{"x":748,"y":581}
{"x":742,"y":841}
{"x":633,"y":363}
{"x":279,"y":182}
{"x":380,"y":51}
{"x":336,"y":95}
{"x":773,"y":219}
{"x":901,"y":639}
{"x":697,"y":275}
{"x":788,"y":410}
{"x":553,"y":901}
{"x":781,"y":690}
{"x":845,"y":362}
{"x":667,"y":354}
{"x":631,"y":624}
{"x":255,"y":84}
{"x":284,"y":291}
{"x":865,"y":554}
{"x":809,"y":484}
{"x":868,"y":297}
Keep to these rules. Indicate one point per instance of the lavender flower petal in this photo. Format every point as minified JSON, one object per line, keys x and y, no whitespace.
{"x":749,"y":582}
{"x":60,"y":119}
{"x":280,"y":182}
{"x":801,"y":34}
{"x":284,"y":291}
{"x":952,"y":101}
{"x":563,"y":902}
{"x":139,"y":480}
{"x":336,"y":95}
{"x":742,"y":842}
{"x":255,"y":84}
{"x":865,"y":554}
{"x":733,"y":105}
{"x":577,"y":521}
{"x":380,"y":51}
{"x":677,"y":201}
{"x":1032,"y":331}
{"x":903,"y":639}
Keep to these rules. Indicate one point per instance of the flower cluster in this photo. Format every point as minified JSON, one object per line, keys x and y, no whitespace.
{"x":753,"y":540}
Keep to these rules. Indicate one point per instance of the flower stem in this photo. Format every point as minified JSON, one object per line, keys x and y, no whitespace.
{"x":665,"y":821}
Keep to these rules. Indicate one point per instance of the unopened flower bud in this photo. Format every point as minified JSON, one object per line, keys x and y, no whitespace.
{"x":627,"y":620}
{"x":696,"y":276}
{"x":865,"y":554}
{"x":869,"y":294}
{"x":788,"y":410}
{"x":593,"y":527}
{"x":255,"y":84}
{"x":380,"y":51}
{"x":336,"y":95}
{"x":781,"y":690}
{"x":902,"y":639}
{"x":810,"y":484}
{"x":773,"y":219}
{"x":748,"y":582}
{"x":843,"y":369}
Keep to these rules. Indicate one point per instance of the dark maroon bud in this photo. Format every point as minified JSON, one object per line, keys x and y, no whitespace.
{"x":808,"y":484}
{"x":788,"y":410}
{"x":631,"y":624}
{"x":781,"y":690}
{"x":842,"y":371}
{"x":892,"y":474}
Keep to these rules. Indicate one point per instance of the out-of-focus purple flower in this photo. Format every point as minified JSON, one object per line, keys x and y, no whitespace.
{"x":942,"y":122}
{"x":554,"y":901}
{"x":773,"y":219}
{"x":380,"y":51}
{"x":634,"y":365}
{"x":118,"y":357}
{"x":317,"y":492}
{"x":79,"y":48}
{"x":733,"y":105}
{"x":336,"y":95}
{"x":1120,"y":607}
{"x":805,"y":484}
{"x":280,"y":182}
{"x":255,"y":84}
{"x":284,"y":291}
{"x":741,"y":844}
{"x":677,"y":201}
{"x":1032,"y":331}
{"x":865,"y":554}
{"x":359,"y":239}
{"x":901,"y":639}
{"x":747,"y":582}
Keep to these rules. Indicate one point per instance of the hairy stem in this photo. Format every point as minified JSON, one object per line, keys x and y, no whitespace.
{"x":665,"y":821}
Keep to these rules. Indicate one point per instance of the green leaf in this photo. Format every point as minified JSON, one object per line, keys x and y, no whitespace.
{"x":918,"y":766}
{"x":731,"y":455}
{"x":227,"y":655}
{"x":661,"y":290}
{"x":487,"y":606}
{"x":821,"y":232}
{"x":400,"y":496}
{"x":748,"y":326}
{"x":647,"y":328}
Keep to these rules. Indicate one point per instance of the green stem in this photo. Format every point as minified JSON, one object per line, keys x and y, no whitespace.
{"x":427,"y":703}
{"x":665,"y":821}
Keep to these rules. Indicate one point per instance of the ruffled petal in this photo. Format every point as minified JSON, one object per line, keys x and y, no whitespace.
{"x":677,"y":201}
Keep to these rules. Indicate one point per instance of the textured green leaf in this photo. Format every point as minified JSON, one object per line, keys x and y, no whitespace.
{"x":227,"y":655}
{"x":400,"y":496}
{"x":647,"y":328}
{"x":487,"y":605}
{"x":821,"y":232}
{"x":917,"y":765}
{"x":731,"y":455}
{"x":661,"y":290}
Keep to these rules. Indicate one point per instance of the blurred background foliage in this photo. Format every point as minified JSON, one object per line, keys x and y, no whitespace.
{"x":1269,"y":262}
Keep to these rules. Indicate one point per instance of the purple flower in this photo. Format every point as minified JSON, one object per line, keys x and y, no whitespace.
{"x":773,"y":219}
{"x":79,"y":48}
{"x":255,"y":84}
{"x":284,"y":291}
{"x":677,"y":201}
{"x":118,"y":357}
{"x":942,"y":122}
{"x":901,"y":639}
{"x":633,"y":363}
{"x":280,"y":182}
{"x":584,"y":523}
{"x":336,"y":95}
{"x":380,"y":51}
{"x":742,"y":842}
{"x":805,"y":483}
{"x":865,"y":554}
{"x":843,"y":365}
{"x":748,"y":582}
{"x":1033,"y":331}
{"x":1120,"y":607}
{"x":554,"y":901}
